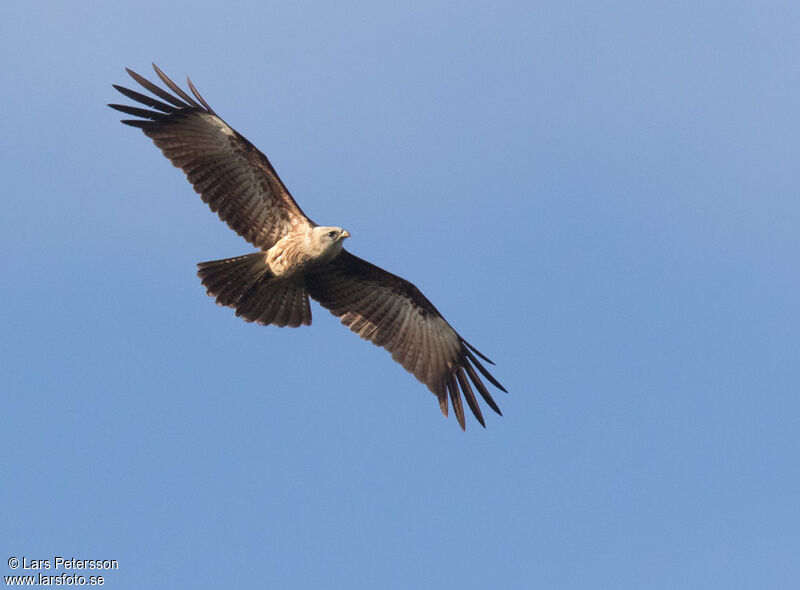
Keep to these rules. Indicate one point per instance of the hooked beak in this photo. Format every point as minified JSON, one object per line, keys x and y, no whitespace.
{"x":345,"y":234}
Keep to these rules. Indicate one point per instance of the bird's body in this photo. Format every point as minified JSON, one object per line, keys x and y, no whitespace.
{"x":297,"y":258}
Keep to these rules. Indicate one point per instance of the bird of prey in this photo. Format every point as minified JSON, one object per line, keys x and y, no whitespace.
{"x":297,"y":258}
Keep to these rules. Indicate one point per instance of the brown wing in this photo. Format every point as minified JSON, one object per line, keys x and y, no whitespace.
{"x":392,"y":313}
{"x":231,"y":175}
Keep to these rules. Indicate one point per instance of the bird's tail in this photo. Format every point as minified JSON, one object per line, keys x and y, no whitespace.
{"x":246,"y":284}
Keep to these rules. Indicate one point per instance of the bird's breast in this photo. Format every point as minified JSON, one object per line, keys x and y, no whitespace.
{"x":288,"y":256}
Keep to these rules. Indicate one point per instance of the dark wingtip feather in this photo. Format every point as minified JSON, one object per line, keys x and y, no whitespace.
{"x":145,"y":100}
{"x":476,"y":351}
{"x":476,"y":380}
{"x":198,"y":96}
{"x":137,"y":112}
{"x":484,"y":372}
{"x":469,"y":395}
{"x":159,"y":92}
{"x":455,"y":397}
{"x":175,"y":88}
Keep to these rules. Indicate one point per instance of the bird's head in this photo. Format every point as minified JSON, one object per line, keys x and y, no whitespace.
{"x":329,"y":240}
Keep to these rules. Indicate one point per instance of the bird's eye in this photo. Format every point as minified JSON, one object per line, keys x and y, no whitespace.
{"x":331,"y":234}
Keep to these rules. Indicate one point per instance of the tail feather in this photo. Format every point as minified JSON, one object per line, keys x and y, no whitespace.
{"x":246,"y":284}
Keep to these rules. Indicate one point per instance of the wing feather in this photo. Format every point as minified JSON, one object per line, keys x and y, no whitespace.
{"x":425,"y":360}
{"x":455,"y":398}
{"x":144,"y":99}
{"x":469,"y":395}
{"x":392,"y":313}
{"x":161,"y":93}
{"x":234,"y":178}
{"x":175,"y":88}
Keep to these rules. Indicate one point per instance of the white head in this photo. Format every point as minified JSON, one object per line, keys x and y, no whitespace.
{"x":328,"y":241}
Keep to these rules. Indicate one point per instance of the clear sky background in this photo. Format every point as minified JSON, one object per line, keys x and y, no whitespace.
{"x":602,"y":196}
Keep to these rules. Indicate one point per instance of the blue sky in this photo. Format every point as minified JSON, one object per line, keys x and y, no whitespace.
{"x":602,"y":196}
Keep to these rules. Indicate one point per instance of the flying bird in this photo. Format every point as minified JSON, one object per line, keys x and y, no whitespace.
{"x":297,"y":258}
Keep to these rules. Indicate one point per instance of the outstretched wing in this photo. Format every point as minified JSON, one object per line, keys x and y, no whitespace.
{"x":231,"y":175}
{"x":392,"y":313}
